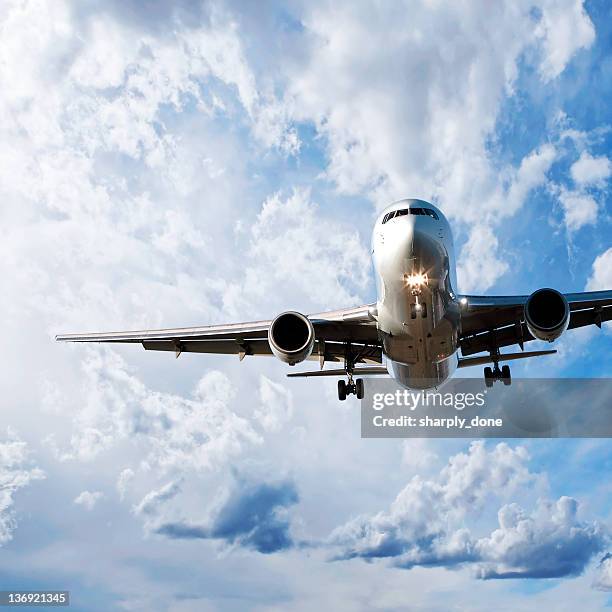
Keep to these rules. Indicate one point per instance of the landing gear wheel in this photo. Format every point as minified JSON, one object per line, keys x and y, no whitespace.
{"x":506,"y":375}
{"x":341,"y":390}
{"x":359,"y":388}
{"x":488,"y":376}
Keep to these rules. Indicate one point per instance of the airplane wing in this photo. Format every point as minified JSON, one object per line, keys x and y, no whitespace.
{"x":496,"y":321}
{"x":334,"y":329}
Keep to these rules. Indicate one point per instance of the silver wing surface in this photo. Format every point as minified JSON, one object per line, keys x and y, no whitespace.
{"x":491,"y":322}
{"x":334,"y":331}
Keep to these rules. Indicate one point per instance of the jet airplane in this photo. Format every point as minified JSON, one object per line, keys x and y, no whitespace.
{"x":419,"y":330}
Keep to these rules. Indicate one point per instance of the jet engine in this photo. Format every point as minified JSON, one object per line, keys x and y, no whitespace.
{"x":547,"y":314}
{"x":291,"y":337}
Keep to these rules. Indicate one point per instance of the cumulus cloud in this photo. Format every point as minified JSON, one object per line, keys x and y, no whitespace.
{"x":579,"y":209}
{"x":425,"y":524}
{"x":16,"y":472}
{"x":565,"y":28}
{"x":601,"y":276}
{"x":291,"y":247}
{"x":480,"y":265}
{"x":580,"y":204}
{"x":550,"y":543}
{"x":200,"y":432}
{"x":133,"y":139}
{"x":88,"y":499}
{"x":589,"y":170}
{"x":419,"y":514}
{"x":434,"y":75}
{"x":251,"y":516}
{"x":432,"y":82}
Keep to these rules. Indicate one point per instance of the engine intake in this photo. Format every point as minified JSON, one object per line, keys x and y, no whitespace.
{"x":547,"y":314}
{"x":291,"y":337}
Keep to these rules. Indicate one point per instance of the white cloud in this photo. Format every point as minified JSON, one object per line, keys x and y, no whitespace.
{"x":480,"y":266}
{"x":293,"y":248}
{"x":530,"y":174}
{"x":200,"y":433}
{"x":425,"y":511}
{"x":123,"y":481}
{"x":88,"y":499}
{"x":426,"y":524}
{"x":601,"y":277}
{"x":276,"y":405}
{"x":152,"y":503}
{"x":414,"y":112}
{"x":579,"y":209}
{"x":549,"y":543}
{"x":130,"y":146}
{"x":580,"y":205}
{"x":15,"y":473}
{"x":589,"y":170}
{"x":565,"y":28}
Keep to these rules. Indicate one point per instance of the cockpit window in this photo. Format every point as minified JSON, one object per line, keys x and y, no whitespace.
{"x":414,"y":210}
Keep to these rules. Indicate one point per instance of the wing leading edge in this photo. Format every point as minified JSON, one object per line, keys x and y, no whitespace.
{"x":333,"y":330}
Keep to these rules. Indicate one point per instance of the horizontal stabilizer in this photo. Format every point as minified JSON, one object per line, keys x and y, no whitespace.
{"x":369,"y":371}
{"x":466,"y":362}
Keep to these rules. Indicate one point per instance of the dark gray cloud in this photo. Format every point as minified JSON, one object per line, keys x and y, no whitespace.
{"x":253,"y":516}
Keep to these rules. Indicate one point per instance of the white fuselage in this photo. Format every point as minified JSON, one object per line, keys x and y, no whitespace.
{"x":418,"y":309}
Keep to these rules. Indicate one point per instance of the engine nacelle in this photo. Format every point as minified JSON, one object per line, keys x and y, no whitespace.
{"x":291,"y":337}
{"x":547,"y":314}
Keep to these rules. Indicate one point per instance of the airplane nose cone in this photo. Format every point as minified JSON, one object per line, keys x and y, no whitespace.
{"x":399,"y":238}
{"x":411,"y":243}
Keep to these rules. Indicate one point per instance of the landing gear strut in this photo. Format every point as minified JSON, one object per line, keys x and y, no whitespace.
{"x":491,"y":375}
{"x":351,"y":386}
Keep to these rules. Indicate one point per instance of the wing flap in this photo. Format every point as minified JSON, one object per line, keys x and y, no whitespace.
{"x":466,"y":362}
{"x":364,"y":371}
{"x":218,"y":347}
{"x":591,"y":316}
{"x":334,"y":351}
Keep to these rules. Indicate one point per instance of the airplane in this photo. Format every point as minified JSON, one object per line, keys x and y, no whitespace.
{"x":415,"y":330}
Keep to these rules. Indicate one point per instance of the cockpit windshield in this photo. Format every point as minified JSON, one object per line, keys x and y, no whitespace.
{"x":413,"y":210}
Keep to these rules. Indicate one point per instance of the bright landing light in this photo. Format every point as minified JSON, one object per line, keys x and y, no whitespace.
{"x":416,"y":280}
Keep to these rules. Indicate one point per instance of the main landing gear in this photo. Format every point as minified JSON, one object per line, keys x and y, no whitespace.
{"x":350,"y":386}
{"x":491,"y":375}
{"x":346,"y":388}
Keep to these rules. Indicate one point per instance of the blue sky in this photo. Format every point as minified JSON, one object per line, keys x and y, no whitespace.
{"x":184,"y":163}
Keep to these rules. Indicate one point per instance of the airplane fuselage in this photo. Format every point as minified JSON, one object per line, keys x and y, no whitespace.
{"x":418,"y":308}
